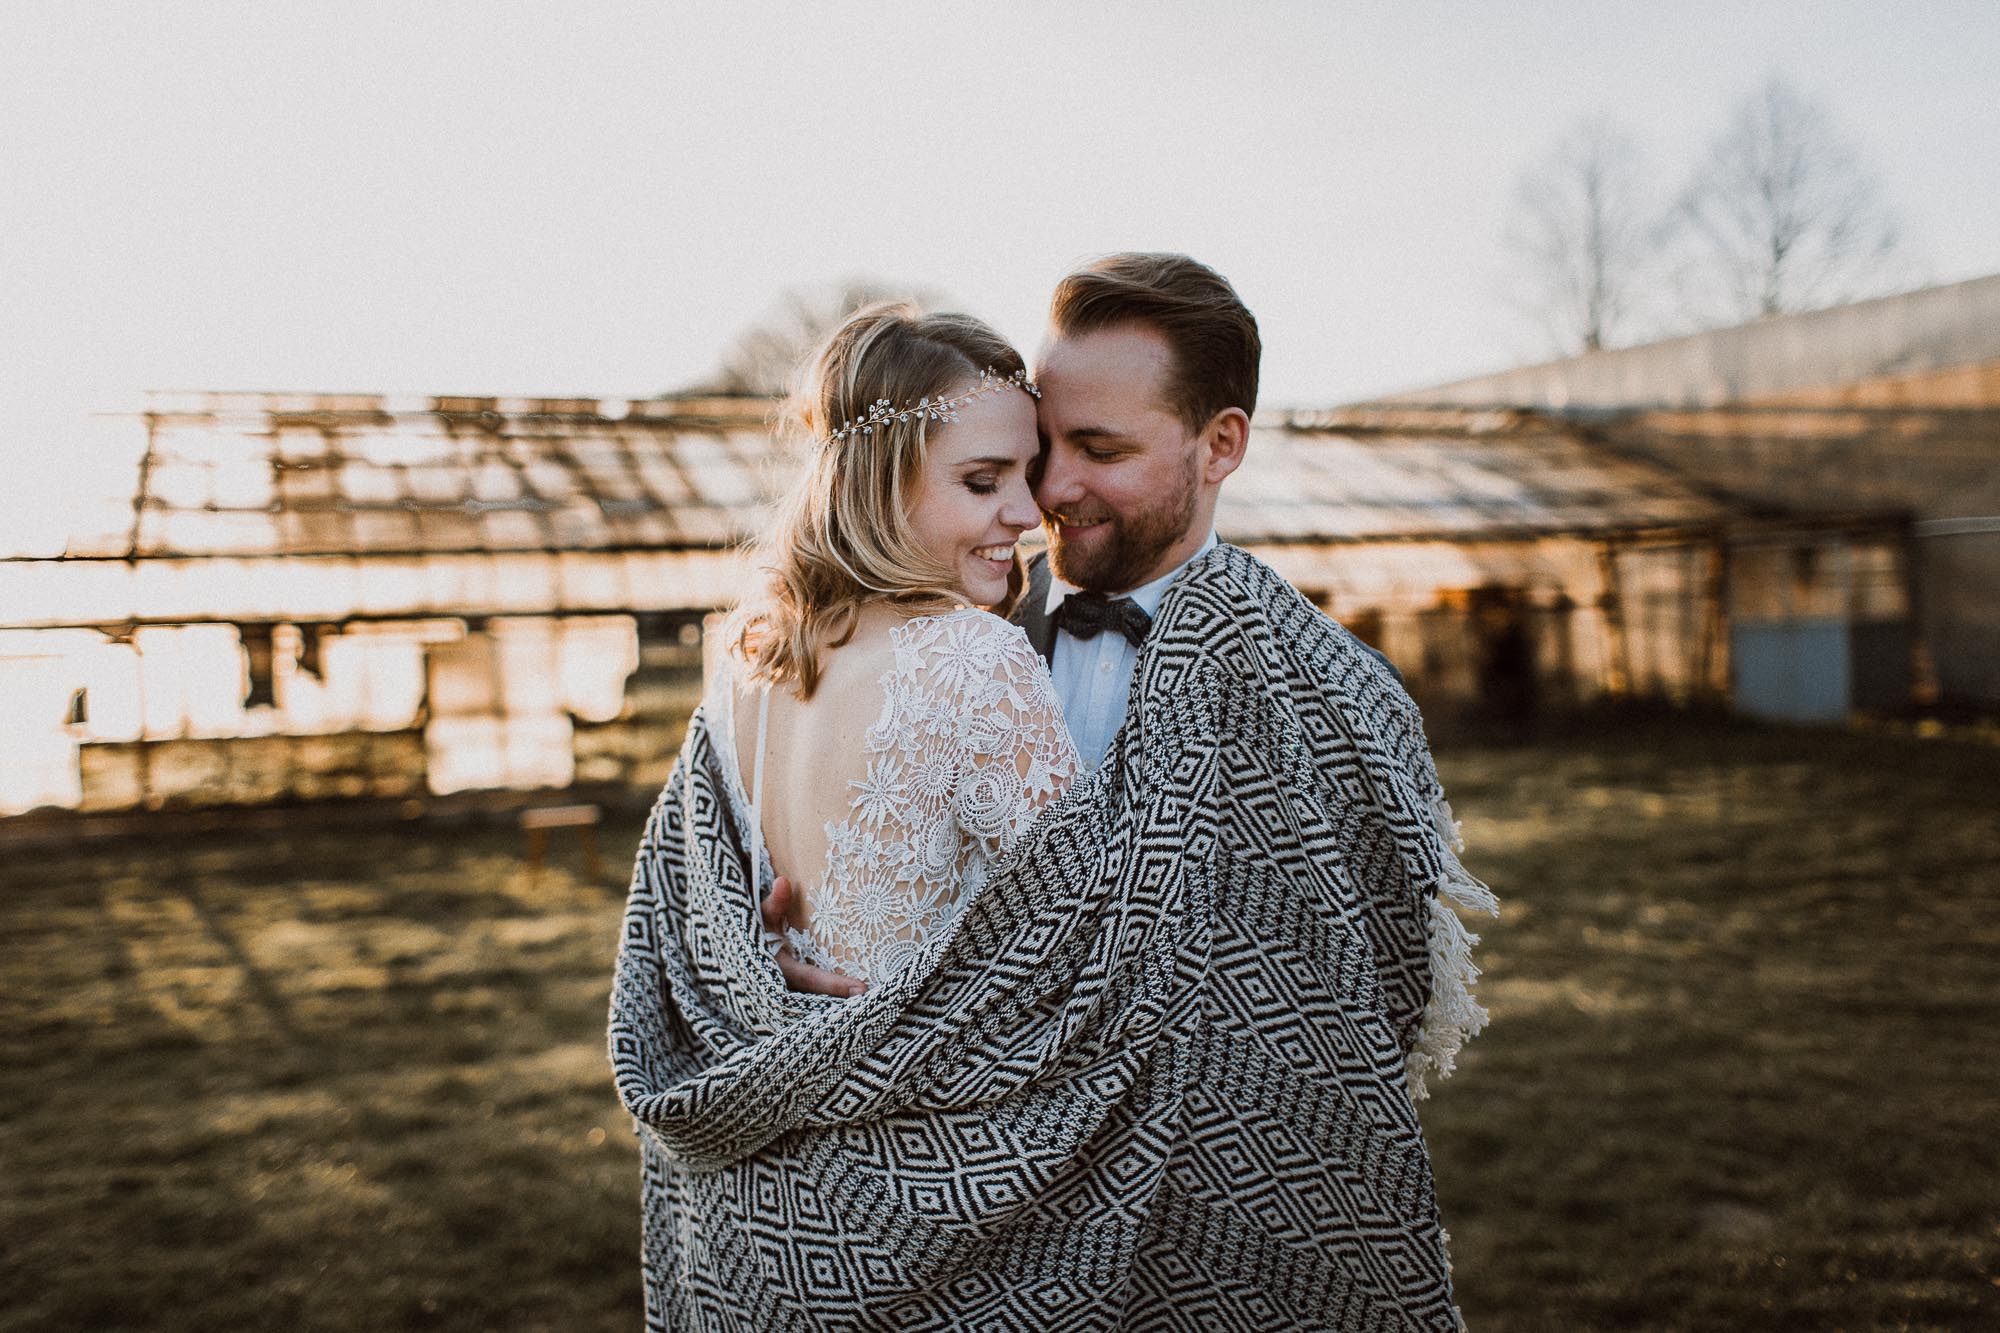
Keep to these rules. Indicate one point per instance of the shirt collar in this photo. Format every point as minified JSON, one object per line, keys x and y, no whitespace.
{"x":1148,"y":596}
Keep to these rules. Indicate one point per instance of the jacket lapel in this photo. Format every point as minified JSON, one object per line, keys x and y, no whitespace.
{"x":1031,"y":611}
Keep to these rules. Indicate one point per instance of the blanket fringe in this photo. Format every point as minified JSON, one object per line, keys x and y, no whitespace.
{"x":1453,"y":1016}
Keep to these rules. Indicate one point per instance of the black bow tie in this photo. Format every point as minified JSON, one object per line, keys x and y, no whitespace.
{"x":1087,"y":614}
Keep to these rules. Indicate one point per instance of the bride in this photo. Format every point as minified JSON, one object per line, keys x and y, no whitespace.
{"x":903,"y":736}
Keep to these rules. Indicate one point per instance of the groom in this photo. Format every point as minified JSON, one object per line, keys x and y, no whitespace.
{"x":1148,"y":380}
{"x":1261,"y":1166}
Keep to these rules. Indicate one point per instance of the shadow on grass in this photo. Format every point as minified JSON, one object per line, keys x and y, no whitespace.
{"x":1740,"y":994}
{"x":343,"y":1081}
{"x":1737,"y":1076}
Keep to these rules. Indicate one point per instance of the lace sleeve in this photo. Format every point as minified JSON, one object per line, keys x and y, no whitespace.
{"x":1015,"y":752}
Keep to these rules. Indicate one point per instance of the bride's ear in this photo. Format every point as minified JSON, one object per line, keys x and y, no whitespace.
{"x":1226,"y":438}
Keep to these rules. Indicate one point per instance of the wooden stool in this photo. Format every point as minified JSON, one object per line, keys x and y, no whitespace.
{"x":583,"y":818}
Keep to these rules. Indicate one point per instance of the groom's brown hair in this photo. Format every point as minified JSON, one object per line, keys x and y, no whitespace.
{"x":1210,"y":332}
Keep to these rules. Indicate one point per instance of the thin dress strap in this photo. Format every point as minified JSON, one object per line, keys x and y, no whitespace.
{"x":757,"y":800}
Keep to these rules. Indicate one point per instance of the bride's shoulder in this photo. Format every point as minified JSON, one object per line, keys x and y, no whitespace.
{"x":960,"y":629}
{"x":724,"y":683}
{"x":962,"y":645}
{"x":718,"y":678}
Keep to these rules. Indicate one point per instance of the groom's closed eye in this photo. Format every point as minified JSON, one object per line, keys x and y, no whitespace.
{"x":1099,"y":445}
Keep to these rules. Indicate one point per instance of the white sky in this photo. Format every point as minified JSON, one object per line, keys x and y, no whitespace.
{"x":590,"y":198}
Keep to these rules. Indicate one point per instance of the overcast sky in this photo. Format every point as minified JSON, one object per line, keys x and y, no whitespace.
{"x":590,"y":198}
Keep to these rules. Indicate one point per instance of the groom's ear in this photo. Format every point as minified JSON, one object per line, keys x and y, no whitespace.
{"x":1224,"y":441}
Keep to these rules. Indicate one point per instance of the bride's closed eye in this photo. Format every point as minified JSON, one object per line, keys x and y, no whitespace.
{"x":982,"y":483}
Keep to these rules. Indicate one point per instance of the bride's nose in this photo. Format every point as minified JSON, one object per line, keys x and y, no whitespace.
{"x":1020,"y":511}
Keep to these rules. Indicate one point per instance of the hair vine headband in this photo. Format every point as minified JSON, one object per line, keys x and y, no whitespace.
{"x":881,"y":412}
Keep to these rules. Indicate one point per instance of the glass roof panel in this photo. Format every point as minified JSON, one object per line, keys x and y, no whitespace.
{"x":504,"y":480}
{"x":365,"y":483}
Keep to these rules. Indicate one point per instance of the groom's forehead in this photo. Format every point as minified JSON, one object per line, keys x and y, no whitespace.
{"x":1125,"y":367}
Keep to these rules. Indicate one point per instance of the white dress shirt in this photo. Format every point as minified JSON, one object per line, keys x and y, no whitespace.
{"x":1094,"y":676}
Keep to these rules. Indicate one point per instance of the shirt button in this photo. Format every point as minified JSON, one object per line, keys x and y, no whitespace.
{"x":1105,"y":668}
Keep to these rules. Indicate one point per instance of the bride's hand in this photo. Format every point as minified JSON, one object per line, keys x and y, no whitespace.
{"x":801,"y":975}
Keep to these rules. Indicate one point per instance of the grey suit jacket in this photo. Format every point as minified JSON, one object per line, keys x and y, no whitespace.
{"x":1031,"y":612}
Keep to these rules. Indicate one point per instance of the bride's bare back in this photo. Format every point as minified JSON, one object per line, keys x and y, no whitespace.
{"x":927,"y":748}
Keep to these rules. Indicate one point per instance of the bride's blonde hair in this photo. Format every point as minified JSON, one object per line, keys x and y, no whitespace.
{"x":842,"y":537}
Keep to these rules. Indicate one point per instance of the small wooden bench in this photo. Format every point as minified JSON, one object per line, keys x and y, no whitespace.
{"x":538,"y":820}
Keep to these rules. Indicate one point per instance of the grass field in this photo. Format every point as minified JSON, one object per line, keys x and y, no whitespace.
{"x":1741,"y":1073}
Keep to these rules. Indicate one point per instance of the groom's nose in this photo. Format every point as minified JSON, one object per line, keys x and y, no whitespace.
{"x":1061,"y":482}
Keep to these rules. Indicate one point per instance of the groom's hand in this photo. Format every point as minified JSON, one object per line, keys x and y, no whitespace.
{"x":799,"y":974}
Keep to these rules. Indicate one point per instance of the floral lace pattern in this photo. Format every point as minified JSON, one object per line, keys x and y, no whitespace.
{"x":969,"y":746}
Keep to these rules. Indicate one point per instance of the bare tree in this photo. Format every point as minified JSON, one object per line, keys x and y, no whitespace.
{"x":764,"y":357}
{"x":1583,"y":235}
{"x":1781,"y":216}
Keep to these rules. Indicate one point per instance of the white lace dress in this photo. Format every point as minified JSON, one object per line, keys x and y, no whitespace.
{"x":969,"y":745}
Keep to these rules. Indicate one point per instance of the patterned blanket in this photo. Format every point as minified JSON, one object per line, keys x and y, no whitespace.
{"x":1159,"y":1076}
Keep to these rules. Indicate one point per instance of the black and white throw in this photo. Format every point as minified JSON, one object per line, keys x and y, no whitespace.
{"x":1158,"y":1075}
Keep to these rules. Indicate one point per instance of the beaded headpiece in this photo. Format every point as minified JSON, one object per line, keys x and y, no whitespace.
{"x":881,"y":412}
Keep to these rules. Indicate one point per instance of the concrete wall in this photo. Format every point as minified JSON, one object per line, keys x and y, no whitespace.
{"x":385,"y":710}
{"x":429,"y":709}
{"x":1930,"y":463}
{"x":1903,"y":336}
{"x":1941,"y":466}
{"x":1975,"y":385}
{"x":249,"y":770}
{"x":1514,"y":627}
{"x":1891,"y":404}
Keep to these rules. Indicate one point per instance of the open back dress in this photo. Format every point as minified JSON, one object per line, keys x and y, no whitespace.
{"x":967,"y":745}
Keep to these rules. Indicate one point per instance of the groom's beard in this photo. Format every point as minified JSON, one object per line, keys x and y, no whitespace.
{"x":1119,"y":554}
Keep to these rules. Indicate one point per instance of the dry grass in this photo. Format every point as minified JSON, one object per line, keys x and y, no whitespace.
{"x":345,"y":1081}
{"x":1739,"y":1076}
{"x":1741,"y":1073}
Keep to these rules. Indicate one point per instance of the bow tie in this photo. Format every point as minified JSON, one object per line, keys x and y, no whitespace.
{"x":1085,"y":615}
